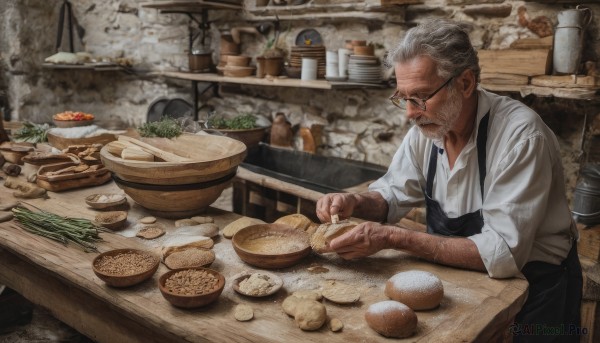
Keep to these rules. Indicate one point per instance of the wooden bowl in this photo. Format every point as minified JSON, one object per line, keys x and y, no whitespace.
{"x":236,"y":279}
{"x":72,"y":123}
{"x":271,"y":246}
{"x":238,"y":61}
{"x":112,"y":220}
{"x":105,"y":200}
{"x":191,"y":301}
{"x":234,"y":71}
{"x":119,"y":280}
{"x":212,"y":157}
{"x":176,"y":201}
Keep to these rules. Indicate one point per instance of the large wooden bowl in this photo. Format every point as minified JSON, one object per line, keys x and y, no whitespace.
{"x":271,"y":246}
{"x":175,"y":201}
{"x":191,"y":301}
{"x":116,"y":280}
{"x":212,"y":157}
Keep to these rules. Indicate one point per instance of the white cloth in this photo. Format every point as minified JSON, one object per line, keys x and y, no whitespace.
{"x":525,"y":210}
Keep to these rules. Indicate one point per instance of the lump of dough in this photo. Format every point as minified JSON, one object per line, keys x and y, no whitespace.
{"x":310,"y":315}
{"x":419,"y":290}
{"x":391,"y":319}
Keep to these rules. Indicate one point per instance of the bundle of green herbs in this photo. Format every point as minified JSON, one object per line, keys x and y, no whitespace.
{"x":241,"y":122}
{"x":32,"y":133}
{"x":61,"y":229}
{"x":166,"y":127}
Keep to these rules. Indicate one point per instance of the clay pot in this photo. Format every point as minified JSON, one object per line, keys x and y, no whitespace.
{"x":200,"y":62}
{"x":273,"y":66}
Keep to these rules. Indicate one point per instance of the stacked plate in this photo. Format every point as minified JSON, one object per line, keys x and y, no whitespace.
{"x":317,"y":52}
{"x":364,"y":69}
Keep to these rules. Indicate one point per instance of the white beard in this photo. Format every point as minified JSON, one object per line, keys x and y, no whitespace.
{"x":444,"y":118}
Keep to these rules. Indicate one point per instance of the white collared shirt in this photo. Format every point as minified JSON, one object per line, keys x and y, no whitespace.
{"x":525,"y":210}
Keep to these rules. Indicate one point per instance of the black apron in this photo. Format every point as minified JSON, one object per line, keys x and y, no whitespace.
{"x":552,"y":310}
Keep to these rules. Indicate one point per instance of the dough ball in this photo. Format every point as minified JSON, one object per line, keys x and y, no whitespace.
{"x":310,"y":315}
{"x":391,"y":319}
{"x":417,"y":289}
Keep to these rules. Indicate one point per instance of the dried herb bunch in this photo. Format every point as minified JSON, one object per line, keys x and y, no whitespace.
{"x":241,"y":122}
{"x":166,"y":127}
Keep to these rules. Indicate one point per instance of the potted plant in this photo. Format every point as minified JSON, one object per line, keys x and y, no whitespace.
{"x":242,"y":127}
{"x":270,"y":62}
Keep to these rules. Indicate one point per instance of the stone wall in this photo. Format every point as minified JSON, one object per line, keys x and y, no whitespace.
{"x":359,"y":124}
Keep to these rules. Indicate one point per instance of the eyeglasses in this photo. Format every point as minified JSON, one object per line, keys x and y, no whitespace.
{"x":420,"y":103}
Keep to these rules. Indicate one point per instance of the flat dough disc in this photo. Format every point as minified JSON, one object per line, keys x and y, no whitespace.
{"x":341,"y":293}
{"x":243,"y":312}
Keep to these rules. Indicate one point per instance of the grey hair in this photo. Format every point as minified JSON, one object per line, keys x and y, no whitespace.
{"x":445,"y":41}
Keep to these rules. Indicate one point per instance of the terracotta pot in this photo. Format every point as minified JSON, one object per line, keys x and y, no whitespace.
{"x":273,"y":66}
{"x":228,"y":46}
{"x":200,"y":62}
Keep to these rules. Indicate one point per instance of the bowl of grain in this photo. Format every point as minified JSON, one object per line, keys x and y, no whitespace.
{"x":105,"y":200}
{"x":256,"y":284}
{"x":191,"y":287}
{"x":112,"y":220}
{"x":125,"y":267}
{"x":271,"y":246}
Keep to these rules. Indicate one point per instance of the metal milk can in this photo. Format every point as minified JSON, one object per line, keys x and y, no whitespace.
{"x":568,"y":39}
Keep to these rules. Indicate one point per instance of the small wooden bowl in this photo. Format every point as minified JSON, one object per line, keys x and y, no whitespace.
{"x":233,"y":71}
{"x":271,"y":246}
{"x":72,"y":123}
{"x":112,"y":220}
{"x":238,"y":61}
{"x":246,"y":274}
{"x":116,"y":280}
{"x":106,"y":200}
{"x":191,"y":301}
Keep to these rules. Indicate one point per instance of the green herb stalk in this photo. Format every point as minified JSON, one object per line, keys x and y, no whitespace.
{"x":167,"y":127}
{"x":61,"y":229}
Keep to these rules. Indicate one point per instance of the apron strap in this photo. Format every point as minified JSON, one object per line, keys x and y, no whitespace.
{"x":481,"y":152}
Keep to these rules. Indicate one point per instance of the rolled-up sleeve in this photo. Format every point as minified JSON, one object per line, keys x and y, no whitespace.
{"x":495,"y":253}
{"x":401,"y":186}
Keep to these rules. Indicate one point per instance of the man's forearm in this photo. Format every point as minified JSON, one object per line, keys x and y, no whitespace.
{"x":370,"y":206}
{"x":451,"y":251}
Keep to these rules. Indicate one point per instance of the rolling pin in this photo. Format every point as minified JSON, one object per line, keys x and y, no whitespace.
{"x":164,"y":155}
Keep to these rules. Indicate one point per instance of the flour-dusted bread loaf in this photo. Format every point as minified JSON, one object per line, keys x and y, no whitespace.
{"x":391,"y":319}
{"x":327,"y":232}
{"x":419,"y":290}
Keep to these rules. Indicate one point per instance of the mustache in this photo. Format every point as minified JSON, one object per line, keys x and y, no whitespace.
{"x":422,"y":121}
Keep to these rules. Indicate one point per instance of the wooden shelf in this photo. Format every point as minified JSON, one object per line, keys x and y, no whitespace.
{"x":91,"y":66}
{"x":558,"y":92}
{"x":278,"y":82}
{"x":190,"y":6}
{"x":357,"y":10}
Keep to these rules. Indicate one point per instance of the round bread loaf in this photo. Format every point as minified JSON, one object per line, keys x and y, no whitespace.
{"x":418,"y":289}
{"x":391,"y":319}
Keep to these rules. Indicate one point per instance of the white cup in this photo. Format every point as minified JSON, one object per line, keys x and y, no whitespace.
{"x":343,"y":56}
{"x":331,"y":70}
{"x":309,"y":69}
{"x":331,"y":56}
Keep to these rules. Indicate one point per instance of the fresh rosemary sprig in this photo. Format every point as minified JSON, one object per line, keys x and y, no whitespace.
{"x":61,"y":229}
{"x":31,"y":133}
{"x":167,"y":127}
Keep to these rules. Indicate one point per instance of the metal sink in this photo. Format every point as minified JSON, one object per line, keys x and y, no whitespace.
{"x":319,"y":173}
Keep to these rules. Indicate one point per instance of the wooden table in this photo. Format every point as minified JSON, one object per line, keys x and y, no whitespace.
{"x":475,"y":307}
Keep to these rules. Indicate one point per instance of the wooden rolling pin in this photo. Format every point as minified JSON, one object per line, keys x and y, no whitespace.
{"x":164,"y":155}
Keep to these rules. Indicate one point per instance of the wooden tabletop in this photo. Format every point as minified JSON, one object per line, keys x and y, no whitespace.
{"x":60,"y":278}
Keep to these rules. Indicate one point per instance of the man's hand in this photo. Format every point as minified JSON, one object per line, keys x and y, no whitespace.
{"x":364,"y":240}
{"x":342,"y":204}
